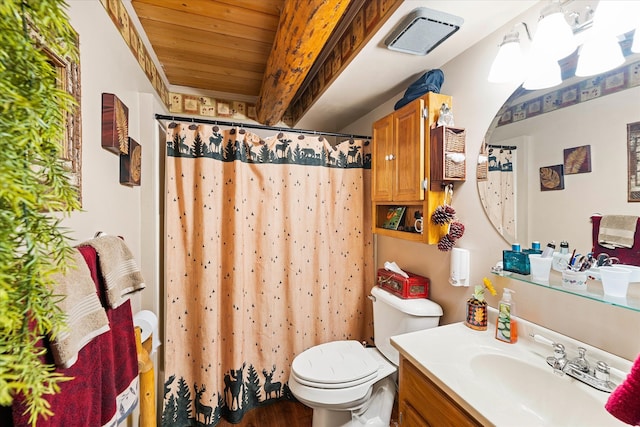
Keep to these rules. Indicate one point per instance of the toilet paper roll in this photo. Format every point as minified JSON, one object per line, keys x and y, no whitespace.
{"x":459,"y":267}
{"x":147,"y":321}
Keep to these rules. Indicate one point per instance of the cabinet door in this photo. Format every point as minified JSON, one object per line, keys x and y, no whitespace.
{"x":381,"y":161}
{"x":409,"y":158}
{"x":409,"y":417}
{"x":428,"y":401}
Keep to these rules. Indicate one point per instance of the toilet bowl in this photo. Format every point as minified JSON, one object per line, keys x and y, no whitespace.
{"x":349,"y":385}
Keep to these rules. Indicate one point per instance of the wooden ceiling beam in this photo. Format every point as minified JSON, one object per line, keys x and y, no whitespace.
{"x":304,"y":28}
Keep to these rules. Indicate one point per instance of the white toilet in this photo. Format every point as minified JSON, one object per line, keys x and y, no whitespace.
{"x":347,"y":384}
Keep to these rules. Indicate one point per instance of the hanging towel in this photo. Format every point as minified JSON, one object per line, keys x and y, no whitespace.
{"x":85,"y":316}
{"x":617,"y":231}
{"x":104,"y":389}
{"x":624,"y":402}
{"x":120,"y":271}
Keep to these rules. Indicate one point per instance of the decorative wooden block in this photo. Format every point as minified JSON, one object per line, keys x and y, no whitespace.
{"x":115,"y":124}
{"x":131,"y":164}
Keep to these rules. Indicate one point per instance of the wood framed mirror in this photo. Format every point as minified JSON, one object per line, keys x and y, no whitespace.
{"x":67,"y":73}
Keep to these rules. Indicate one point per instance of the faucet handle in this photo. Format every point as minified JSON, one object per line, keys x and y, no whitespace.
{"x":602,"y":371}
{"x":581,"y":362}
{"x":558,"y":351}
{"x":559,"y":359}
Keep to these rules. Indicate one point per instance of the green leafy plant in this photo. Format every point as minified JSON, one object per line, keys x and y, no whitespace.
{"x":33,"y":183}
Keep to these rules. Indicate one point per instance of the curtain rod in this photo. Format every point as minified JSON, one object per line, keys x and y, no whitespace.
{"x":504,"y":147}
{"x":258,"y":126}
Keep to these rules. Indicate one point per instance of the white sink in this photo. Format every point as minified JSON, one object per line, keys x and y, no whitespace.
{"x":510,"y":384}
{"x":538,"y":391}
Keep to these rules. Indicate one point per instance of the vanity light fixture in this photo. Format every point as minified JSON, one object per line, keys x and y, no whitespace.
{"x":601,"y":50}
{"x":559,"y":32}
{"x":554,"y":37}
{"x":509,"y":64}
{"x":544,"y":72}
{"x":600,"y":53}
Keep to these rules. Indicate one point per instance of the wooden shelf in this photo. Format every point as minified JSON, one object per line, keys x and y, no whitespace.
{"x":448,"y":155}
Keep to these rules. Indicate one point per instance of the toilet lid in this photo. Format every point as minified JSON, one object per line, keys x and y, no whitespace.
{"x":335,"y":364}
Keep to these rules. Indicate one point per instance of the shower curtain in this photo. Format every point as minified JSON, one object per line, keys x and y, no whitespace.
{"x":499,"y":198}
{"x":268,"y":252}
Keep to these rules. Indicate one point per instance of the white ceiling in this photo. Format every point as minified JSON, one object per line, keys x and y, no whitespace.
{"x":378,"y":74}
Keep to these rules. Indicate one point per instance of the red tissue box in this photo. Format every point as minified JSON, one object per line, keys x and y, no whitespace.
{"x":412,"y":287}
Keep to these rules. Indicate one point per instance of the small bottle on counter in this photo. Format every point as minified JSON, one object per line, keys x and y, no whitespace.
{"x":562,"y":259}
{"x":549,"y":250}
{"x":506,"y":325}
{"x":535,"y":248}
{"x":515,"y":260}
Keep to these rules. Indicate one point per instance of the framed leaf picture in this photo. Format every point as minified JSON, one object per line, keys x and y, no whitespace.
{"x":551,"y":178}
{"x":131,"y":164}
{"x":577,"y":160}
{"x":115,"y":124}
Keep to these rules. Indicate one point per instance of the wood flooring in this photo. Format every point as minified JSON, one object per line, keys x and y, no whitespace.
{"x":284,"y":414}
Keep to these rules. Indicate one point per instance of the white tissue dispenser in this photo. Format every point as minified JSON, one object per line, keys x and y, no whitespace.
{"x":413,"y":286}
{"x":459,"y":275}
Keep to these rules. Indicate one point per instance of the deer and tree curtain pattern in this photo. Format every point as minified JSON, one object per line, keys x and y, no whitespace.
{"x":499,"y":199}
{"x":268,"y":251}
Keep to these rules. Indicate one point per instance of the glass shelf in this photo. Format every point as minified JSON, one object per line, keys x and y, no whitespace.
{"x":593,"y":292}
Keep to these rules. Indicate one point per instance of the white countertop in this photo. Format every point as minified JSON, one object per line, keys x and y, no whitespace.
{"x":468,"y":364}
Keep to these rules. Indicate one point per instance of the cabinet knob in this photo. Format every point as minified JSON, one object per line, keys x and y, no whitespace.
{"x":390,"y":156}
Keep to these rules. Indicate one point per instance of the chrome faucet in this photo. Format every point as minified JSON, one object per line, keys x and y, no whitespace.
{"x":580,"y":369}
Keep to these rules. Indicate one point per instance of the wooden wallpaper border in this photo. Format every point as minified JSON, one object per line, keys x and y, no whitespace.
{"x":121,"y":19}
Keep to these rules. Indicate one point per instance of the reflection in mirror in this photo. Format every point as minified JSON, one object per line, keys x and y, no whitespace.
{"x":552,"y":158}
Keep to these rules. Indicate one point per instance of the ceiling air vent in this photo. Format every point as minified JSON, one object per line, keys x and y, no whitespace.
{"x":422,"y":30}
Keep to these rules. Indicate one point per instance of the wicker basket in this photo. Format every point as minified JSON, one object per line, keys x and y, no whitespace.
{"x":454,"y":140}
{"x":454,"y":169}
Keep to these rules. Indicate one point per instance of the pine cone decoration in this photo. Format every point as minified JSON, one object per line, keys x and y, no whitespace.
{"x":443,"y":214}
{"x":456,"y":230}
{"x":445,"y":244}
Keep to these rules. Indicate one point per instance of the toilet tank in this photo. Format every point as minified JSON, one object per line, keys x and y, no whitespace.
{"x":395,"y":316}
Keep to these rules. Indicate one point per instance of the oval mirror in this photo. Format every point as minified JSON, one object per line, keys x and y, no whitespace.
{"x":552,"y":158}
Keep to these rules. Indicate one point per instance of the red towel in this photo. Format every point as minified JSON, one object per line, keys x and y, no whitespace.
{"x":624,"y":402}
{"x":104,"y":390}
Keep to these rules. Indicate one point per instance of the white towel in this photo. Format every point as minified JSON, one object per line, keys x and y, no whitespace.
{"x":617,"y":231}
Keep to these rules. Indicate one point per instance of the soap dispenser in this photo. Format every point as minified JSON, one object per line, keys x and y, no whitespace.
{"x":506,"y":326}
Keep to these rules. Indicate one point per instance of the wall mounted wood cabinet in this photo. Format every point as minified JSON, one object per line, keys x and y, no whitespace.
{"x":401,"y":169}
{"x":422,"y":403}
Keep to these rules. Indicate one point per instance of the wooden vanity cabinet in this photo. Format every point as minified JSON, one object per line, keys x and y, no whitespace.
{"x":422,"y":403}
{"x":400,"y":166}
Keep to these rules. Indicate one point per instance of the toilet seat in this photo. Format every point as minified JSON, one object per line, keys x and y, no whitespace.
{"x":343,"y":398}
{"x":336,"y":364}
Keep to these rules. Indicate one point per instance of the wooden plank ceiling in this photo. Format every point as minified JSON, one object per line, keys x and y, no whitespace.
{"x":239,"y":46}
